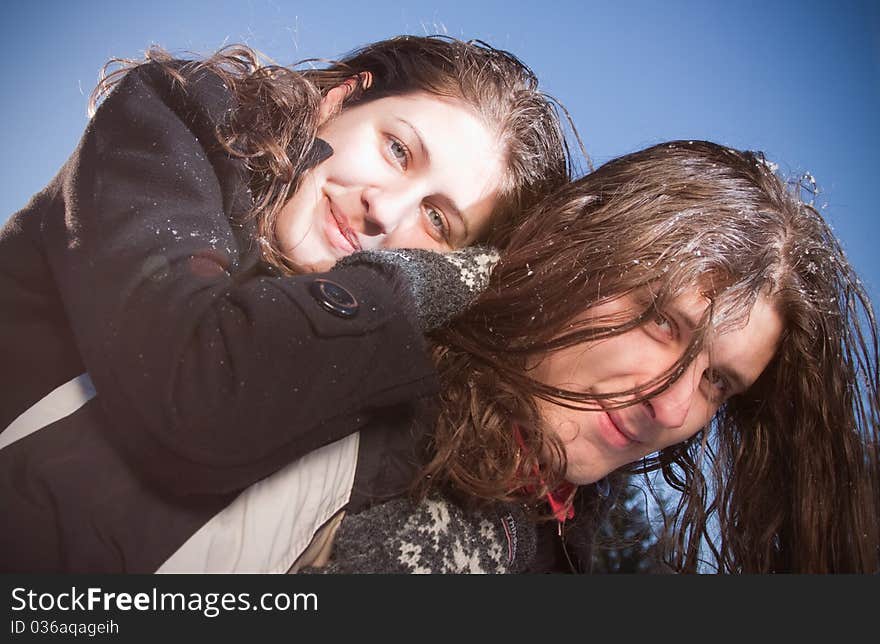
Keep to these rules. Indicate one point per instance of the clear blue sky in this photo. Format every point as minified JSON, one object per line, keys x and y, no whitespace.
{"x":799,"y":80}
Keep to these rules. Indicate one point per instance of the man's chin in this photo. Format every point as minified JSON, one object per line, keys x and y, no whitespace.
{"x":584,"y":478}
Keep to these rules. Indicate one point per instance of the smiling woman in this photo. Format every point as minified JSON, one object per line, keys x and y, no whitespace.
{"x":159,"y":296}
{"x":408,"y":171}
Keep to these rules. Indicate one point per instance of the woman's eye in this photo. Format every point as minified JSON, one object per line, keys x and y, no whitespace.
{"x":399,"y":152}
{"x":437,"y":222}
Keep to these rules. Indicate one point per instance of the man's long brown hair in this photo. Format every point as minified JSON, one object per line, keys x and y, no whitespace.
{"x":274,"y":118}
{"x":785,"y":478}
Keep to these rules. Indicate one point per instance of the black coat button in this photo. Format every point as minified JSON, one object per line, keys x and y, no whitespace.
{"x":335,"y":298}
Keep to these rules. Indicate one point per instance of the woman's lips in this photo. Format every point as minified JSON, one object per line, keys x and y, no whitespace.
{"x":344,"y":228}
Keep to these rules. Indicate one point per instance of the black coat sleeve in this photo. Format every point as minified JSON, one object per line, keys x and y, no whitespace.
{"x":211,"y":374}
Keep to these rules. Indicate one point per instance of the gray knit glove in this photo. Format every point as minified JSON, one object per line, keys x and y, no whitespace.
{"x":443,"y":284}
{"x":434,"y":536}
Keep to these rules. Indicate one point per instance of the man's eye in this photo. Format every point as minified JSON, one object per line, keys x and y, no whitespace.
{"x":718,"y":383}
{"x":664,"y":324}
{"x":399,"y":152}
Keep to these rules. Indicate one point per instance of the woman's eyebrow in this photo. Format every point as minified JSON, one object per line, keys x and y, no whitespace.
{"x":420,"y":142}
{"x":452,"y":210}
{"x":445,"y":203}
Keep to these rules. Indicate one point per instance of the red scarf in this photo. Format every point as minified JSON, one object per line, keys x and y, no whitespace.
{"x":558,"y":498}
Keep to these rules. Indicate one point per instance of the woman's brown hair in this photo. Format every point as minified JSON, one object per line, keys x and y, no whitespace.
{"x":785,"y":478}
{"x":275,"y":116}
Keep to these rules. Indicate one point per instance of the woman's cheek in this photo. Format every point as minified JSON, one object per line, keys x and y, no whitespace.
{"x":413,"y":237}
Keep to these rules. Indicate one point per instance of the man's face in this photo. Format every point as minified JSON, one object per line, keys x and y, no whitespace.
{"x":598,"y":442}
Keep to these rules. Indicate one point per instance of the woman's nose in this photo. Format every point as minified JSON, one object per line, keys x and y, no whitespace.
{"x":385,"y":209}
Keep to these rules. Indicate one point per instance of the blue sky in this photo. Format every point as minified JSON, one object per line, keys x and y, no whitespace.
{"x":798,"y":80}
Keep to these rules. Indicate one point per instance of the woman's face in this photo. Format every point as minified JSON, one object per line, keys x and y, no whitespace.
{"x":598,"y":442}
{"x":411,"y":171}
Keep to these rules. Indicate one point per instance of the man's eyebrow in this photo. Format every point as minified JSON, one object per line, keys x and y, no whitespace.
{"x":691,"y":323}
{"x":739,"y":382}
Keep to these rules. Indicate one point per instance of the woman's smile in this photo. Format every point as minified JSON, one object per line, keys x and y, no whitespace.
{"x":350,"y":240}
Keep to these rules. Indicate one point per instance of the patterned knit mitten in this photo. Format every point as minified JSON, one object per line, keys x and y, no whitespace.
{"x":434,"y":536}
{"x":443,"y":284}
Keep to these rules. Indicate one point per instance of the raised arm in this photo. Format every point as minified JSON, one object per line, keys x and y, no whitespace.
{"x":211,"y":372}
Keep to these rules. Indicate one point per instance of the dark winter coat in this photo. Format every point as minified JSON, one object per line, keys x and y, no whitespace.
{"x":137,"y":266}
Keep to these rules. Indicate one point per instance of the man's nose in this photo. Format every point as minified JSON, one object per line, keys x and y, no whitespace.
{"x":670,"y":408}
